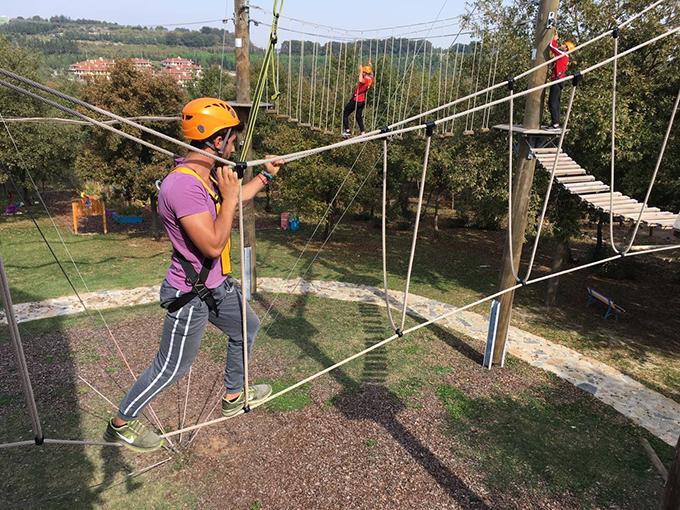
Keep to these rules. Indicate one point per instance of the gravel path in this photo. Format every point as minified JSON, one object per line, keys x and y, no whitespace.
{"x":647,"y":408}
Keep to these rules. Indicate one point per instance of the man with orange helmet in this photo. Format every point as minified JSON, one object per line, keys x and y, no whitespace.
{"x":197,"y":203}
{"x":559,"y":70}
{"x":358,"y":101}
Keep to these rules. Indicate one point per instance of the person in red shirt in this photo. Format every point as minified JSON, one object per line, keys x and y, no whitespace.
{"x":358,"y":101}
{"x":559,"y":71}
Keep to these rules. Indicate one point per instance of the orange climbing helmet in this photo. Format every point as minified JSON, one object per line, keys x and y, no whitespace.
{"x":367,"y":69}
{"x":570,"y":45}
{"x":205,"y":116}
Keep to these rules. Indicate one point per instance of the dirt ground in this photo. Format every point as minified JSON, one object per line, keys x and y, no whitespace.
{"x":357,"y":443}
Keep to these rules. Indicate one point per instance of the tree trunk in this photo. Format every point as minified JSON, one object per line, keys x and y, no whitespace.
{"x":560,"y":256}
{"x":154,"y":218}
{"x":671,"y":500}
{"x":403,"y":199}
{"x":435,"y":220}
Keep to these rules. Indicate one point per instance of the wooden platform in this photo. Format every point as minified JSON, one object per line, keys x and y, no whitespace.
{"x":597,"y":194}
{"x":519,"y":129}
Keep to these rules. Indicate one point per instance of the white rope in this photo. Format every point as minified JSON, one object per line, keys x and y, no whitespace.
{"x":380,"y":135}
{"x":384,"y":237}
{"x":60,"y":120}
{"x":415,"y":231}
{"x":550,"y":186}
{"x":612,"y":155}
{"x":244,"y":303}
{"x":656,"y":171}
{"x":186,"y":402}
{"x":424,"y":324}
{"x":101,"y":111}
{"x":67,"y":250}
{"x":290,"y":71}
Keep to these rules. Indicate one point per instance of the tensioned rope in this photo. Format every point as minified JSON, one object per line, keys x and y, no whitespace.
{"x":400,"y":328}
{"x":385,"y":132}
{"x":653,"y":250}
{"x":620,"y":25}
{"x":358,"y":139}
{"x":428,"y":323}
{"x":61,"y":267}
{"x":546,"y":199}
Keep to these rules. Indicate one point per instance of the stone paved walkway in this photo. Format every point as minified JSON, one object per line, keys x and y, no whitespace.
{"x":647,"y":408}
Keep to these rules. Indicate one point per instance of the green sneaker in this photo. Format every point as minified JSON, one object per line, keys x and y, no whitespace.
{"x":256,"y":394}
{"x":134,"y":436}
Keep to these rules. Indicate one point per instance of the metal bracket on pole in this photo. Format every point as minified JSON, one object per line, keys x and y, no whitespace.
{"x":551,"y":20}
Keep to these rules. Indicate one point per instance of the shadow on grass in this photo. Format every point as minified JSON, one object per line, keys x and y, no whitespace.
{"x":567,"y":443}
{"x":368,"y":399}
{"x":54,"y":476}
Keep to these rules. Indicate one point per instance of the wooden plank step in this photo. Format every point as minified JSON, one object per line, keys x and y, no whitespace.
{"x":605,"y":206}
{"x":551,"y":157}
{"x":575,"y":179}
{"x":565,"y":173}
{"x":545,"y":150}
{"x":561,"y":166}
{"x":606,"y":196}
{"x":634,"y":209}
{"x":586,"y":184}
{"x":590,"y":189}
{"x":597,"y":196}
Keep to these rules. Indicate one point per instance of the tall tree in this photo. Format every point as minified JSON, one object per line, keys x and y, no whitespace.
{"x":128,"y":167}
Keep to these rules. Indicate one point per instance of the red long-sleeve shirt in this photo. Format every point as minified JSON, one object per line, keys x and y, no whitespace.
{"x":361,"y":89}
{"x":560,"y":66}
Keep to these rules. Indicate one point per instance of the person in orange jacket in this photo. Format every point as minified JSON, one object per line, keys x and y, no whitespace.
{"x":358,"y":101}
{"x":559,"y":70}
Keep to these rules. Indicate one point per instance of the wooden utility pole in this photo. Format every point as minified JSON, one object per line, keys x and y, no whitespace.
{"x":524,"y":176}
{"x":242,"y":50}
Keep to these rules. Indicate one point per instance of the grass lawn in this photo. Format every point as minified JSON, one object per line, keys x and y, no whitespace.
{"x":417,"y":422}
{"x":459,"y":267}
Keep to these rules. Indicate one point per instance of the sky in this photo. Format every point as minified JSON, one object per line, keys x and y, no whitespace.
{"x":345,"y":14}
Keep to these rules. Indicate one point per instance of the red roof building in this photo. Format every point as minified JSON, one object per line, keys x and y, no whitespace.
{"x":91,"y":67}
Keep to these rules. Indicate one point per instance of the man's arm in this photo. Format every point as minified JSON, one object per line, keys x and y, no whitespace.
{"x":255,"y":185}
{"x":209,"y":236}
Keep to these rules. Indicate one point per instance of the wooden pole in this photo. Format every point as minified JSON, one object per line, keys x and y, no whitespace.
{"x":524,"y":176}
{"x":242,"y":50}
{"x":19,"y":353}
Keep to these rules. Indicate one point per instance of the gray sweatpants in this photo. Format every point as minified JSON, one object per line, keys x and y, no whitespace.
{"x":182,"y":334}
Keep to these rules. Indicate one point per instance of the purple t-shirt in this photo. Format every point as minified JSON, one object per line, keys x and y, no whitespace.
{"x":183,"y":195}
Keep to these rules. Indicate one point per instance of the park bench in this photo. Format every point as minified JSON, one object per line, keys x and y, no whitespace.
{"x":612,"y":308}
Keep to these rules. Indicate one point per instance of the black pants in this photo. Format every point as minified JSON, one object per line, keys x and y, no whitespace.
{"x":554,"y":102}
{"x":349,"y":108}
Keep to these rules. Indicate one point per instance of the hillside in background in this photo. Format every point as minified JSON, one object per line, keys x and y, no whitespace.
{"x":64,"y":41}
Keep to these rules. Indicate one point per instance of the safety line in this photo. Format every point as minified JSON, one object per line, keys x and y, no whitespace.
{"x":423,"y":325}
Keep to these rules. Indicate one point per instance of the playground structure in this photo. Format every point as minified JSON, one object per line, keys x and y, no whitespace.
{"x":88,"y":206}
{"x":566,"y":172}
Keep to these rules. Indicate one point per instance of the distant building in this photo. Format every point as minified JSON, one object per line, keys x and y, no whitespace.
{"x":183,"y":70}
{"x":142,"y":64}
{"x":91,"y":67}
